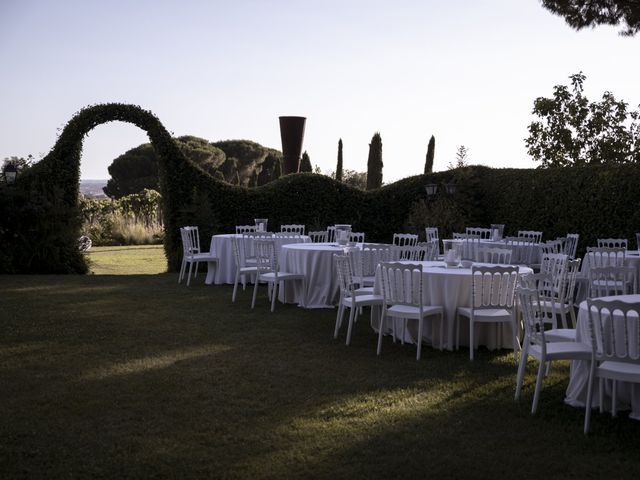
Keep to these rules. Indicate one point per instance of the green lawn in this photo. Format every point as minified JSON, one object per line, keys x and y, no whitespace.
{"x":141,"y":259}
{"x":136,"y":376}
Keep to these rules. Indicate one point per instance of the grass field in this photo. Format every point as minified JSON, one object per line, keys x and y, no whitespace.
{"x":132,"y":260}
{"x":135,"y":376}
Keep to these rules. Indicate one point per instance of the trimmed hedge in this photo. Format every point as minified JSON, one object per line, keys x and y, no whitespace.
{"x":40,"y":223}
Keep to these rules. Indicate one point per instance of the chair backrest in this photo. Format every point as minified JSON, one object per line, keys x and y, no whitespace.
{"x":606,"y":281}
{"x":190,"y":240}
{"x":292,"y":235}
{"x":552,"y":246}
{"x":499,"y":227}
{"x":238,"y":253}
{"x":319,"y":236}
{"x":370,"y":256}
{"x":266,"y":255}
{"x":555,"y":264}
{"x":240,"y":229}
{"x":613,"y":243}
{"x":425,"y":251}
{"x":532,"y":234}
{"x":248,"y":240}
{"x":460,"y":236}
{"x":489,"y":254}
{"x":402,"y":239}
{"x":331,"y":234}
{"x":469,"y":248}
{"x":493,"y":287}
{"x":535,"y":313}
{"x":293,"y":228}
{"x":402,"y":283}
{"x":573,"y":268}
{"x":345,"y":275}
{"x":604,"y":257}
{"x":484,"y":233}
{"x":571,"y":244}
{"x":357,"y":237}
{"x":523,"y":249}
{"x":432,"y":233}
{"x":614,"y":328}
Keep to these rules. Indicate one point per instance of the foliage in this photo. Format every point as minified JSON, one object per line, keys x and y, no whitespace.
{"x":461,"y":158}
{"x":374,"y":163}
{"x":573,"y":131}
{"x":431,"y":152}
{"x":305,"y":163}
{"x":338,"y":176}
{"x":589,"y":13}
{"x":137,"y":169}
{"x":20,"y":163}
{"x":443,"y":211}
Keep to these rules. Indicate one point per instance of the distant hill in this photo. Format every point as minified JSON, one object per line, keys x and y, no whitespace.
{"x":93,"y":188}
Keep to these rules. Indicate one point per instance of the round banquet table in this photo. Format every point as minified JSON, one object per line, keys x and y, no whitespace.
{"x":450,"y":288}
{"x":631,"y":259}
{"x":222,"y":248}
{"x":532,"y":251}
{"x":315,"y":262}
{"x":579,"y":373}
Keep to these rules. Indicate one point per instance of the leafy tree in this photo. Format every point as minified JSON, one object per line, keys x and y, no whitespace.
{"x":355,"y":179}
{"x":374,"y":163}
{"x":573,"y":131}
{"x":277,"y":167}
{"x":20,"y":163}
{"x":339,"y":165}
{"x":305,"y":163}
{"x":589,"y":13}
{"x":137,"y":169}
{"x":431,"y":151}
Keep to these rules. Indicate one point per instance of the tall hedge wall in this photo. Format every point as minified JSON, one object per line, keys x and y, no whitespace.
{"x":39,"y":222}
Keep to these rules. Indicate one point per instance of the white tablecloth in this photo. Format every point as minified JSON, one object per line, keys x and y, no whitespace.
{"x":579,"y":374}
{"x":449,"y":288}
{"x":222,"y":248}
{"x":519,"y":250}
{"x":631,"y":259}
{"x":315,"y":262}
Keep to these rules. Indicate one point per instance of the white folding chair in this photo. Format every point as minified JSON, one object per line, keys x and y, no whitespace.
{"x":331,"y":234}
{"x":268,"y":271}
{"x":318,"y":236}
{"x":571,"y":244}
{"x":356,"y":237}
{"x":240,"y":229}
{"x":483,"y":233}
{"x":534,"y":235}
{"x":242,"y":269}
{"x":614,"y":328}
{"x":191,"y":253}
{"x":404,"y":298}
{"x":293,"y":228}
{"x":492,"y":301}
{"x":608,"y":281}
{"x":402,"y":239}
{"x":613,"y":243}
{"x":350,"y":296}
{"x":535,"y":313}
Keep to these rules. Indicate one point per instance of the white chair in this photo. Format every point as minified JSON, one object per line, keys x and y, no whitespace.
{"x":404,"y":298}
{"x":366,"y":260}
{"x":483,"y":233}
{"x":432,"y":234}
{"x":424,"y":251}
{"x":638,"y":241}
{"x":607,"y":281}
{"x":495,"y":255}
{"x":615,"y":349}
{"x":613,"y":243}
{"x":356,"y":237}
{"x":523,"y":250}
{"x":242,"y":269}
{"x":563,"y":304}
{"x":318,"y":236}
{"x":248,"y":240}
{"x":331,"y":234}
{"x":268,"y":271}
{"x":297,"y":238}
{"x":604,"y":257}
{"x":350,"y":296}
{"x":191,"y":253}
{"x":240,"y":229}
{"x":402,"y":239}
{"x":535,"y":343}
{"x":534,"y":235}
{"x":571,"y":244}
{"x":293,"y":228}
{"x":492,"y":301}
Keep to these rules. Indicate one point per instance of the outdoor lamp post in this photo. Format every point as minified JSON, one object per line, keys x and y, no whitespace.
{"x":450,"y":188}
{"x":10,"y":173}
{"x":431,"y":189}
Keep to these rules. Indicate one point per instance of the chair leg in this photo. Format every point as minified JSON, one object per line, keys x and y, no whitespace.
{"x":587,"y":413}
{"x":274,"y":294}
{"x":235,"y":286}
{"x":563,"y":317}
{"x":196,"y":273}
{"x":471,"y":339}
{"x":189,"y":274}
{"x":420,"y":328}
{"x":338,"y":319}
{"x":601,"y":394}
{"x":183,"y":267}
{"x":536,"y":394}
{"x":521,"y":369}
{"x":255,"y":291}
{"x":380,"y":329}
{"x":352,"y":315}
{"x":441,"y":331}
{"x":614,"y":399}
{"x":572,"y":312}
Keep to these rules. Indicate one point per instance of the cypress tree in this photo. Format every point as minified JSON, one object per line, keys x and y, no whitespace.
{"x":339,"y":166}
{"x":431,"y":151}
{"x":374,"y":163}
{"x":305,"y":163}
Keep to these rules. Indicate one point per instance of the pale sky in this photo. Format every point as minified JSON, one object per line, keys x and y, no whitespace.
{"x":466,"y":71}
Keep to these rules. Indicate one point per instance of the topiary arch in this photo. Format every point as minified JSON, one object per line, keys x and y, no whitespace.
{"x":40,"y":217}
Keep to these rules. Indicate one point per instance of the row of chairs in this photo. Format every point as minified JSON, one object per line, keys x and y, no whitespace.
{"x":292,"y":228}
